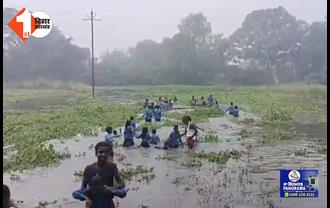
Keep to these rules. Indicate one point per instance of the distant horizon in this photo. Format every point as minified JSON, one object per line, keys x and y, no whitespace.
{"x":127,"y":34}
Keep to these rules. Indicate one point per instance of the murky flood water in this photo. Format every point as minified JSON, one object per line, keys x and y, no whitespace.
{"x":252,"y":181}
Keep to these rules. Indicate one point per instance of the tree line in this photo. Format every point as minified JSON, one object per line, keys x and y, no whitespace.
{"x":270,"y":47}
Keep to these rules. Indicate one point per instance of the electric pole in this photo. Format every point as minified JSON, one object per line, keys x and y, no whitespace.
{"x":92,"y":19}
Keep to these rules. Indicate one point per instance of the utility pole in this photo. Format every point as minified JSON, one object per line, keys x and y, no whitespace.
{"x":92,"y":18}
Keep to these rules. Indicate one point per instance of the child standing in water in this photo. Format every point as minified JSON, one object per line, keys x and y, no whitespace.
{"x":158,"y":114}
{"x":191,"y":131}
{"x":128,"y":134}
{"x":145,"y":137}
{"x":148,"y":114}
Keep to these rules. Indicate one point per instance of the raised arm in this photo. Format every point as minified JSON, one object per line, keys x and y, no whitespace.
{"x":195,"y":126}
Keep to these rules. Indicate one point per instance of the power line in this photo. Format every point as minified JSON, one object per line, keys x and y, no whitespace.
{"x":92,"y":19}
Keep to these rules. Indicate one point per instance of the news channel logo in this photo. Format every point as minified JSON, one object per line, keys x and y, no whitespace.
{"x":24,"y":24}
{"x":299,"y":183}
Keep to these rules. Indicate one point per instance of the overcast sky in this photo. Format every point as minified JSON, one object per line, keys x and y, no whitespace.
{"x":125,"y":22}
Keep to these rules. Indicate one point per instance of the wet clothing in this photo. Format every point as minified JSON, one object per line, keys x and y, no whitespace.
{"x":235,"y":112}
{"x":79,"y":194}
{"x":230,"y":109}
{"x":109,"y":137}
{"x":107,"y":173}
{"x":148,"y":115}
{"x":174,"y":139}
{"x":154,"y":139}
{"x":145,"y":140}
{"x":129,"y":136}
{"x":99,"y":200}
{"x":191,"y":133}
{"x":210,"y":100}
{"x":158,"y":115}
{"x":133,"y":124}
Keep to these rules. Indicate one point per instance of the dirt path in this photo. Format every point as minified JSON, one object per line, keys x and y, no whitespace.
{"x":252,"y":181}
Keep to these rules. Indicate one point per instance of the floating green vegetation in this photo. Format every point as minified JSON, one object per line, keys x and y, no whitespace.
{"x":322,"y":149}
{"x":34,"y":156}
{"x":192,"y":163}
{"x":218,"y":157}
{"x":244,"y":133}
{"x":28,"y":130}
{"x":202,"y":114}
{"x":277,"y":115}
{"x":140,"y":172}
{"x":166,"y":157}
{"x":210,"y":138}
{"x":278,"y":135}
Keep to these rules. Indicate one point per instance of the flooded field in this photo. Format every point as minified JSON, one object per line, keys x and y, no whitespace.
{"x":181,"y":180}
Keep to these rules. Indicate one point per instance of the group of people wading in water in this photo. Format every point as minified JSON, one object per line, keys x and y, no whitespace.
{"x":102,"y":181}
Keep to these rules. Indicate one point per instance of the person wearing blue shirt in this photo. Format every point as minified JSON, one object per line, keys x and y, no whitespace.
{"x":109,"y":136}
{"x":235,"y":112}
{"x":133,"y":123}
{"x":145,"y":137}
{"x":230,"y":109}
{"x":157,"y":113}
{"x":148,"y":114}
{"x":128,"y":134}
{"x":174,"y":139}
{"x":154,"y":138}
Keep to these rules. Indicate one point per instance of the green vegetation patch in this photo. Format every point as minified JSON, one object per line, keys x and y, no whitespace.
{"x":218,"y":157}
{"x":278,"y":135}
{"x":210,"y":138}
{"x":27,"y":130}
{"x":140,"y":172}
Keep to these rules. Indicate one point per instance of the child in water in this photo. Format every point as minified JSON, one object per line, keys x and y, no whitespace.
{"x":154,"y":138}
{"x":109,"y":135}
{"x":97,"y":195}
{"x":128,"y":134}
{"x":148,"y":114}
{"x":235,"y":112}
{"x":133,"y":123}
{"x":158,"y":114}
{"x":174,"y":139}
{"x":145,"y":137}
{"x":231,"y":108}
{"x":191,"y":131}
